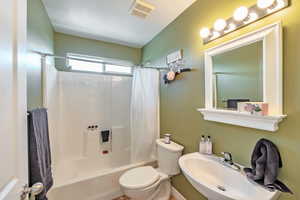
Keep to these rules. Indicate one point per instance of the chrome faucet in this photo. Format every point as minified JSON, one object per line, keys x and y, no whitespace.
{"x":227,"y":157}
{"x":227,"y":160}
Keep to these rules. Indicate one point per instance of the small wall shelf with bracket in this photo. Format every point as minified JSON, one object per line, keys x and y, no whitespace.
{"x":268,"y":123}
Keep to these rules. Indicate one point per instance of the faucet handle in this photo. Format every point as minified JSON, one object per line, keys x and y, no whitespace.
{"x":227,"y":156}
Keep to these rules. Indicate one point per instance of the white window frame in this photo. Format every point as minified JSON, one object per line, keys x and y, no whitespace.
{"x":103,"y":61}
{"x":117,"y":73}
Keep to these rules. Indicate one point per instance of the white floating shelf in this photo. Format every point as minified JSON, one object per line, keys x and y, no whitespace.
{"x":268,"y":123}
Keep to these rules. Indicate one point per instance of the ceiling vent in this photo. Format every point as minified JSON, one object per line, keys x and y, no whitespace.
{"x":141,"y":8}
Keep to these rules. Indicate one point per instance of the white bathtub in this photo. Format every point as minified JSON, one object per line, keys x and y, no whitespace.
{"x":97,"y":185}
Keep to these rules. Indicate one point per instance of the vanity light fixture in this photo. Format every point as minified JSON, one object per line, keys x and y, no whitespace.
{"x":241,"y":13}
{"x":242,"y":16}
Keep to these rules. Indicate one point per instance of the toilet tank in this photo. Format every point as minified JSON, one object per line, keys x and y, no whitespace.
{"x":168,"y":156}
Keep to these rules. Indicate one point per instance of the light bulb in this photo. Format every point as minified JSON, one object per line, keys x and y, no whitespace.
{"x":263,"y":4}
{"x":220,"y":25}
{"x":241,"y":13}
{"x":205,"y":32}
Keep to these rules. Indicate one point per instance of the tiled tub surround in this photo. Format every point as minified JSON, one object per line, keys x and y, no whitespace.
{"x":85,"y":99}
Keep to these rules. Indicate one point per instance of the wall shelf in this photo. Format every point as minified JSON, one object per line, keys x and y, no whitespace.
{"x":268,"y":123}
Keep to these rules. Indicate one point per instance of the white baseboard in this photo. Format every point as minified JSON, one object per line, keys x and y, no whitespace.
{"x":177,"y":194}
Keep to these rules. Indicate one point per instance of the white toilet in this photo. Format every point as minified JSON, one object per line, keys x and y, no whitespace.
{"x":147,"y":183}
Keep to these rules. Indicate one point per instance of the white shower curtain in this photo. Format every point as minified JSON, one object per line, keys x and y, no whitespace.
{"x":144,"y":115}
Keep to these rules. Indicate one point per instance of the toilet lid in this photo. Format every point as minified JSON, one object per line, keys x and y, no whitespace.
{"x":139,"y":177}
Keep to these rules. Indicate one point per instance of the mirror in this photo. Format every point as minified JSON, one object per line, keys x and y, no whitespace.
{"x":248,"y":68}
{"x":238,"y":76}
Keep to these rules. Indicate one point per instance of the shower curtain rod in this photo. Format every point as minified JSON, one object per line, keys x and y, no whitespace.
{"x":44,"y":55}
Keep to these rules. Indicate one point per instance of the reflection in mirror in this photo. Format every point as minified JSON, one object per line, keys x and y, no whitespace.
{"x":238,"y":76}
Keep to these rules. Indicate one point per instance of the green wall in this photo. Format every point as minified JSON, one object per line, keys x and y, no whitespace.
{"x":71,"y":44}
{"x":239,"y":74}
{"x":180,"y":99}
{"x":39,"y":38}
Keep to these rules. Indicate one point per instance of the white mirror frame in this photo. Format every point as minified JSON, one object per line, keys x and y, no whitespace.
{"x":271,"y":36}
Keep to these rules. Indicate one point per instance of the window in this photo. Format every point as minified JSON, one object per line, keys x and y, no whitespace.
{"x":92,"y":64}
{"x":79,"y":65}
{"x":117,"y":69}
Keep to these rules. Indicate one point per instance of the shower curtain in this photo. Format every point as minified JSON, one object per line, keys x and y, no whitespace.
{"x":144,"y":114}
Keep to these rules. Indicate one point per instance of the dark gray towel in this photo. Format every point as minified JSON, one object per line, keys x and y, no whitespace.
{"x":39,"y":151}
{"x":265,"y":162}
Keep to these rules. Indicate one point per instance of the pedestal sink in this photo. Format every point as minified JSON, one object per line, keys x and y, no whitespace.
{"x":216,"y":181}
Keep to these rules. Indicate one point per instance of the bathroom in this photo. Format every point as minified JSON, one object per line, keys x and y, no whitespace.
{"x":178,"y":50}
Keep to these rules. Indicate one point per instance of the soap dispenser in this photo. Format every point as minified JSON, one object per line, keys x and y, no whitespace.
{"x":209,"y":145}
{"x":202,"y":145}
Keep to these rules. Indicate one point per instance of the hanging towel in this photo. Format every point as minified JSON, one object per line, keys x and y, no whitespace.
{"x":265,"y":162}
{"x":39,"y":151}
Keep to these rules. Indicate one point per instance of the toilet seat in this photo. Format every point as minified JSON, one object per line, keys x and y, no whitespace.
{"x":140,"y":177}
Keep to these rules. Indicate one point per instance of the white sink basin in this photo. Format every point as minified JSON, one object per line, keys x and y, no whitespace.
{"x":219,"y":182}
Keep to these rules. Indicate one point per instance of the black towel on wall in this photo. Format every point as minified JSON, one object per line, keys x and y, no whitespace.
{"x":39,"y":151}
{"x":266,"y":162}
